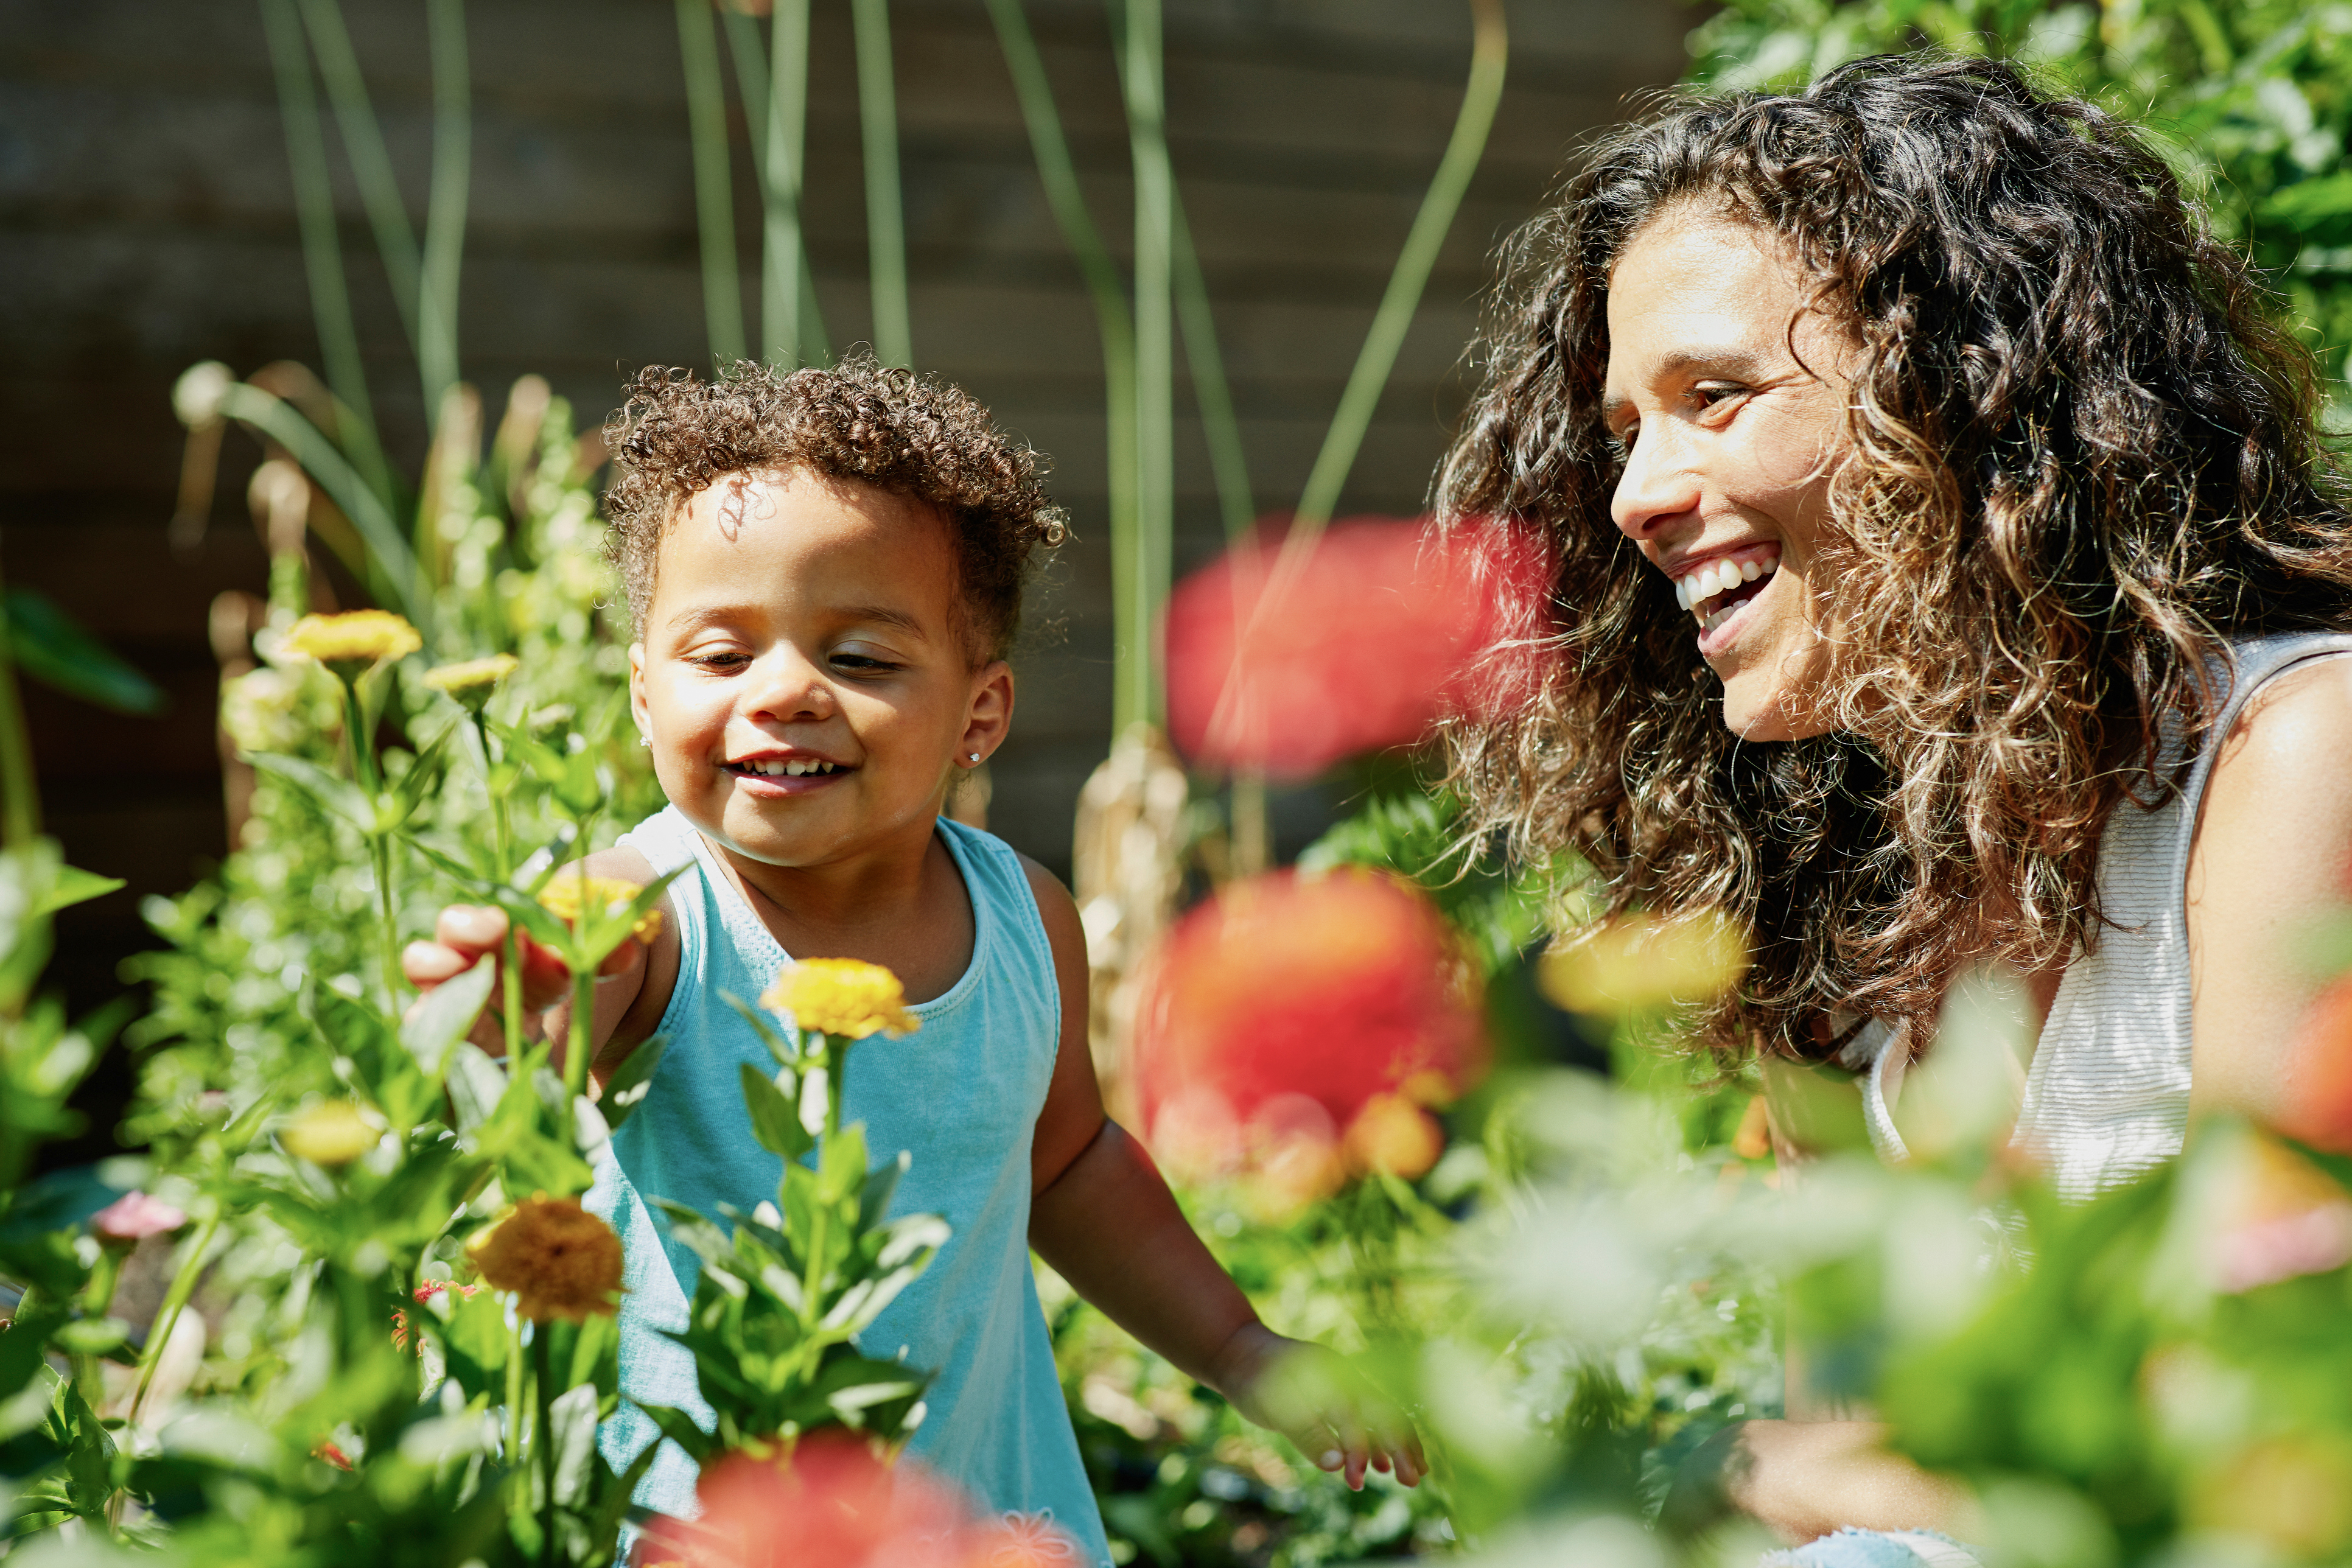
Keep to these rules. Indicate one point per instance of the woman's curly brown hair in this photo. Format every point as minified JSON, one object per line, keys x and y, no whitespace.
{"x":2082,"y":459}
{"x":911,"y":434}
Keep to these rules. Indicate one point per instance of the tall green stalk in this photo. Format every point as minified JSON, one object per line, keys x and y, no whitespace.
{"x":1489,"y":55}
{"x":371,"y":164}
{"x":886,"y":217}
{"x":714,"y":187}
{"x":445,"y":216}
{"x":1143,"y":583}
{"x":779,"y":294}
{"x":322,"y":254}
{"x":1220,"y":428}
{"x":752,"y":80}
{"x":1059,"y":176}
{"x":20,"y":793}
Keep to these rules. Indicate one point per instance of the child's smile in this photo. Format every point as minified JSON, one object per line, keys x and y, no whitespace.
{"x":804,"y":675}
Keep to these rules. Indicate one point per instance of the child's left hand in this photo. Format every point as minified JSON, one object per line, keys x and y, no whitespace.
{"x":1316,"y":1398}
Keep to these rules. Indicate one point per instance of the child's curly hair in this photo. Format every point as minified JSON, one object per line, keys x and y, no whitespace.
{"x":911,"y":434}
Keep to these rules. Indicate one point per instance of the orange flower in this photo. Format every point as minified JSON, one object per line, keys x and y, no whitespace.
{"x":832,"y":1503}
{"x":1298,"y":1024}
{"x":1385,"y":627}
{"x":559,"y":1260}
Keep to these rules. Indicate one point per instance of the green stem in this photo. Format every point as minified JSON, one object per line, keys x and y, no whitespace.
{"x":714,"y":193}
{"x":380,"y":852}
{"x":515,"y":1408}
{"x":445,"y":213}
{"x":1058,"y":173}
{"x":176,"y":1300}
{"x":362,"y":135}
{"x":544,"y":1376}
{"x":1489,"y":55}
{"x":20,"y":790}
{"x":787,"y":117}
{"x":1143,"y":77}
{"x":886,"y":218}
{"x":323,"y":250}
{"x":1228,"y":462}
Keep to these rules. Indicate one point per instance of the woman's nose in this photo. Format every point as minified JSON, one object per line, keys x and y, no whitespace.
{"x":1658,"y":486}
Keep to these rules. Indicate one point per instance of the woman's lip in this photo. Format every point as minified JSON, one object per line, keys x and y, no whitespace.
{"x":1711,"y":643}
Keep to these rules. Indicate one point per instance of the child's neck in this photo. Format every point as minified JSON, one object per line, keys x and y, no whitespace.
{"x":901,"y":904}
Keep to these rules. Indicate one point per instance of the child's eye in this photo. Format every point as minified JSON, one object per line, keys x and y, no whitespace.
{"x":863,"y":664}
{"x":720,"y":660}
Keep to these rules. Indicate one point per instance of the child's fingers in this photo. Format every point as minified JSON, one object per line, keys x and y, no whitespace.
{"x":471,"y":928}
{"x":545,"y":979}
{"x":428,"y":964}
{"x":1357,"y":1447}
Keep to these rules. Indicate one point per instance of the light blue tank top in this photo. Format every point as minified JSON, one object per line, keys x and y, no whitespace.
{"x":961,"y":1095}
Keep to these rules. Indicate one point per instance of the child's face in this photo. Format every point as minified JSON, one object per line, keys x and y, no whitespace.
{"x":809,"y":622}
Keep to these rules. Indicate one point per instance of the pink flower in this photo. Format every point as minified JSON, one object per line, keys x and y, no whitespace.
{"x":1385,"y":626}
{"x":134,"y":1216}
{"x":1298,"y":1025}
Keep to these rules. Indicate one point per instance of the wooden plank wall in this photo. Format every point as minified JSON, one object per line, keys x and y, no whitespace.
{"x":146,"y":223}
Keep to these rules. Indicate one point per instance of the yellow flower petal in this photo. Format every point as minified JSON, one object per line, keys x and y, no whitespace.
{"x":568,"y":894}
{"x":559,"y":1260}
{"x":842,"y":997}
{"x":474,"y":675}
{"x":356,"y":637}
{"x":332,"y":1132}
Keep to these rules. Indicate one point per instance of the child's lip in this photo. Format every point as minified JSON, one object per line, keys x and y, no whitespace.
{"x":782,"y":785}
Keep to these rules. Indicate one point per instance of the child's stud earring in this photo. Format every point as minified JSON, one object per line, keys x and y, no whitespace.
{"x":973,"y":755}
{"x":647,"y":742}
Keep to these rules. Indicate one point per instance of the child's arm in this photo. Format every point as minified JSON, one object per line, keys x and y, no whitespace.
{"x":633,"y":987}
{"x":1101,"y":1215}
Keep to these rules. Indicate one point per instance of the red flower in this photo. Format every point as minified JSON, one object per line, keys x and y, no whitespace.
{"x":328,"y":1450}
{"x":1298,"y":1024}
{"x":1386,"y":626}
{"x":832,"y":1503}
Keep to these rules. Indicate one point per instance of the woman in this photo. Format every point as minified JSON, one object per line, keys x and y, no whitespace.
{"x":1949,"y":572}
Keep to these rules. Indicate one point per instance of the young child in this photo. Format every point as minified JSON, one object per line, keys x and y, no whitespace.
{"x":824,"y":571}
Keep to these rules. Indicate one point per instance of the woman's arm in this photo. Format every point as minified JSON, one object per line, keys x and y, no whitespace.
{"x":1103,"y":1218}
{"x":2273,"y":848}
{"x":633,"y":987}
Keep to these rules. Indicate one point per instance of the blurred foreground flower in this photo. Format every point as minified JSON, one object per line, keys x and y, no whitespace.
{"x":134,"y":1216}
{"x":1299,"y":1024}
{"x":1638,"y":961}
{"x":834,"y":1504}
{"x":332,"y":1132}
{"x":842,"y":997}
{"x":566,"y":895}
{"x":352,"y":642}
{"x":1387,"y":625}
{"x":2279,"y":1216}
{"x":559,"y":1260}
{"x":424,"y":1293}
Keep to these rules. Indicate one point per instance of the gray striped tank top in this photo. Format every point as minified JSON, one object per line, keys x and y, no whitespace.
{"x":2107,"y":1098}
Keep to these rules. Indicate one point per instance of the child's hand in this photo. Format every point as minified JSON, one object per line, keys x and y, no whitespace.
{"x":1316,"y":1397}
{"x":466,"y":934}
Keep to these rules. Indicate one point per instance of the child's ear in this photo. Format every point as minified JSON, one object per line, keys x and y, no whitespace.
{"x":637,"y":692}
{"x":988,"y":714}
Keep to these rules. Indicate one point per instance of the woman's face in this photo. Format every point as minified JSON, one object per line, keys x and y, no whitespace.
{"x":1728,"y":398}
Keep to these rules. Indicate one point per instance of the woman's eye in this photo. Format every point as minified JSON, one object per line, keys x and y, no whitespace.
{"x":1714,"y":394}
{"x":1620,"y":442}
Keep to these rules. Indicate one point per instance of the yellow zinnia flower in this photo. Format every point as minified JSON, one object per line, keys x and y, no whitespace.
{"x":559,"y":1260}
{"x":354,"y":638}
{"x":332,"y":1132}
{"x":842,"y":997}
{"x":472,"y":681}
{"x":570,"y":893}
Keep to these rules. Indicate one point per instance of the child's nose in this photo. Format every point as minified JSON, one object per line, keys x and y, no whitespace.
{"x":789,"y":685}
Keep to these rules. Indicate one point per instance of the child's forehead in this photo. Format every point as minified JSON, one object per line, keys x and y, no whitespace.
{"x":749,"y":537}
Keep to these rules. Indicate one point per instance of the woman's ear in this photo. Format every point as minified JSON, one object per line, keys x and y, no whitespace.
{"x":987,"y":715}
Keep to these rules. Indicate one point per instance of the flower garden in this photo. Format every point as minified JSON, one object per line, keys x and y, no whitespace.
{"x":343,"y":1306}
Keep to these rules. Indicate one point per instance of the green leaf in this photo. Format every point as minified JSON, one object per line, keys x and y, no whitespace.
{"x":679,"y":1428}
{"x":477,"y":1084}
{"x":572,"y":1426}
{"x":339,"y":796}
{"x":445,"y":1016}
{"x":775,"y":1115}
{"x":51,"y":648}
{"x":73,"y":886}
{"x":786,"y":1055}
{"x":632,"y":1082}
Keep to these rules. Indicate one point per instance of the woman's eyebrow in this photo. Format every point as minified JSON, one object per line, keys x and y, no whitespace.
{"x":1742,"y":363}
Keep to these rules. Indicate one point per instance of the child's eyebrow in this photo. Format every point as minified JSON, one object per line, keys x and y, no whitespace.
{"x":886,"y":617}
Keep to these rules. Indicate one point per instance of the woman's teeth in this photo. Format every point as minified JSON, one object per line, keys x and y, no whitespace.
{"x":778,"y":768}
{"x":1704,"y":593}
